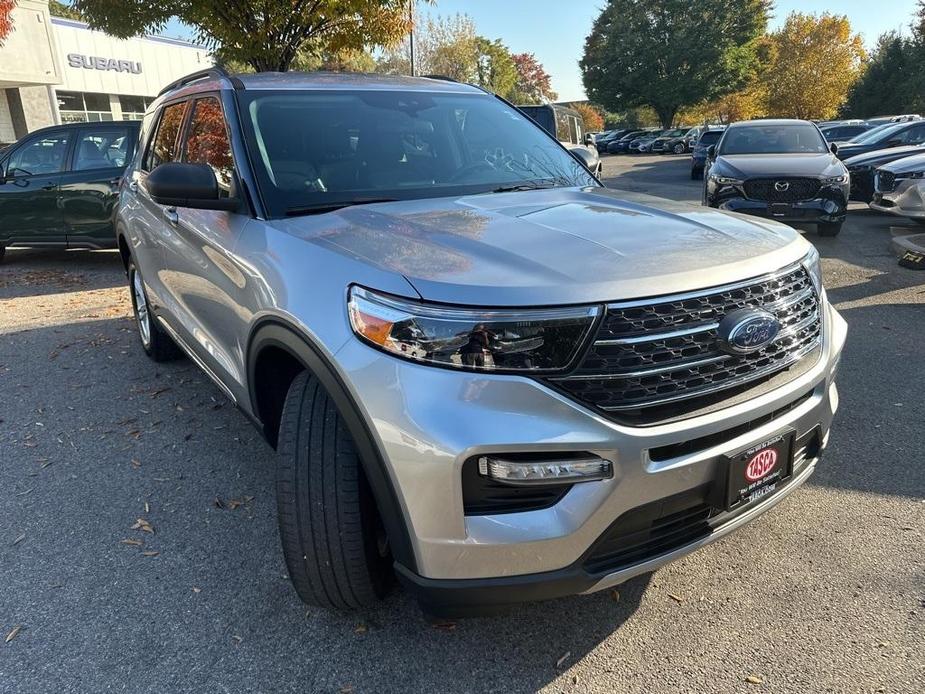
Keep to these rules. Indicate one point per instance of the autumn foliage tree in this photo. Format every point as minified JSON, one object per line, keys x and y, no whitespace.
{"x":592,"y":120}
{"x":265,"y":35}
{"x":534,"y":85}
{"x":6,"y":18}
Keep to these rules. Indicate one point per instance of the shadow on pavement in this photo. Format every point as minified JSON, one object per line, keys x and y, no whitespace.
{"x":35,"y":272}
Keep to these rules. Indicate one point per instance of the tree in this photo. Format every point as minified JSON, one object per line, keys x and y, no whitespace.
{"x":494,"y":67}
{"x":534,"y":85}
{"x":817,"y":61}
{"x":591,"y":119}
{"x":6,"y":18}
{"x":60,"y":9}
{"x":666,"y":56}
{"x":443,"y":46}
{"x":885,"y":86}
{"x":264,"y":35}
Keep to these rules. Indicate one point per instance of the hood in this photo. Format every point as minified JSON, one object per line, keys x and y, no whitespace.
{"x":881,"y":156}
{"x":548,"y":247}
{"x":847,"y":150}
{"x":769,"y":165}
{"x":906,"y":164}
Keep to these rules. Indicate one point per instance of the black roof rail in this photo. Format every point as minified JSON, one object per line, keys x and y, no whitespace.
{"x":216,"y":71}
{"x":444,"y":78}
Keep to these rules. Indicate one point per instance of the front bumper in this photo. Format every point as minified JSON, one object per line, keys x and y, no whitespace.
{"x":823,"y":209}
{"x":907,"y":200}
{"x":429,"y":421}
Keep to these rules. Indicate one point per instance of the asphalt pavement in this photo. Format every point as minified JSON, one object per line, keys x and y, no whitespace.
{"x":139,"y":549}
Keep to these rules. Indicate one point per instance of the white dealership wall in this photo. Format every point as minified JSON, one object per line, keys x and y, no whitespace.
{"x":45,"y":55}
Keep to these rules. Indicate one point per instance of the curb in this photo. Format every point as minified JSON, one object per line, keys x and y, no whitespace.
{"x":910,"y":242}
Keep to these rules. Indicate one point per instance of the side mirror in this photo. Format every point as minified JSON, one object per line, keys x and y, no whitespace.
{"x":187,"y":185}
{"x":589,"y":140}
{"x":711,"y":152}
{"x":586,"y":157}
{"x":833,"y":148}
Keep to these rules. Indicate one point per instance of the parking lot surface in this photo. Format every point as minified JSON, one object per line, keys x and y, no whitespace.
{"x":139,"y":549}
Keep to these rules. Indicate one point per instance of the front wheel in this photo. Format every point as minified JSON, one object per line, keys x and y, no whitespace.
{"x":333,"y":540}
{"x":679,"y":148}
{"x":828,"y":228}
{"x":157,"y":344}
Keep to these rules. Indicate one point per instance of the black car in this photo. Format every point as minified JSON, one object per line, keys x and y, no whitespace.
{"x":699,"y":151}
{"x":660,"y":146}
{"x":781,"y":169}
{"x":620,"y":145}
{"x":59,"y":185}
{"x":839,"y":132}
{"x":862,"y":167}
{"x":883,"y":137}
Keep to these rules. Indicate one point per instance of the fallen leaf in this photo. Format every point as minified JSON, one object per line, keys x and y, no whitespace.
{"x":561,"y":661}
{"x":150,"y":553}
{"x":143,"y":525}
{"x":676,"y":598}
{"x":445,"y":626}
{"x":360,"y":629}
{"x":197,"y":590}
{"x":136,"y":463}
{"x":147,"y":507}
{"x":237,"y":639}
{"x":19,"y":539}
{"x":218,"y":503}
{"x":131,"y":541}
{"x":615,"y":595}
{"x":346,"y":689}
{"x":13,"y":633}
{"x":752,"y":679}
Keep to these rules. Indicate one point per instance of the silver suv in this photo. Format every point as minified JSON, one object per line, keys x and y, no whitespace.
{"x":483,"y":372}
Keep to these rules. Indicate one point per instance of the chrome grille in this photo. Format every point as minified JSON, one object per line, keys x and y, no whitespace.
{"x":886,"y":181}
{"x":650,"y":353}
{"x":770,"y":189}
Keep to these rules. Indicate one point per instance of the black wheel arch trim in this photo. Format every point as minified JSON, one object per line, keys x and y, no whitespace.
{"x":273,"y":332}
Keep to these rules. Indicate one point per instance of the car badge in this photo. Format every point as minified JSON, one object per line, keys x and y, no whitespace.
{"x":781,"y":186}
{"x":747,"y":330}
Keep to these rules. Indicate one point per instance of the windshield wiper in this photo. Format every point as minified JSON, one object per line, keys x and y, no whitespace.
{"x":523,"y":186}
{"x":323,"y":207}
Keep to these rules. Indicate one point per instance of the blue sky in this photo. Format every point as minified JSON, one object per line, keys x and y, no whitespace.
{"x":555,"y":30}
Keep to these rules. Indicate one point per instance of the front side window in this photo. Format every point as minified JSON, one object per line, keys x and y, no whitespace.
{"x":163,"y":146}
{"x":313,"y":148}
{"x":207,"y":141}
{"x":102,"y":148}
{"x":39,"y":157}
{"x":788,"y":138}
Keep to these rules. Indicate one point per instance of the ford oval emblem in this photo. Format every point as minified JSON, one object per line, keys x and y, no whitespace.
{"x":747,"y":330}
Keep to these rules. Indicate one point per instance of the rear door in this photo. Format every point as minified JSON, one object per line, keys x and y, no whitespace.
{"x":89,"y":187}
{"x":31,"y":173}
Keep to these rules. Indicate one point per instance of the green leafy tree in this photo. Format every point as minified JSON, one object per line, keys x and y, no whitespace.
{"x":534,"y":85}
{"x":885,"y":87}
{"x":264,"y":35}
{"x":443,"y":46}
{"x":667,"y":55}
{"x":61,"y":9}
{"x":817,"y":60}
{"x":494,"y":67}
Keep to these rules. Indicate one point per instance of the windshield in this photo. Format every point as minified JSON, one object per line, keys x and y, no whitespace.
{"x":796,"y":138}
{"x":674,"y":133}
{"x":711,"y":137}
{"x":877,"y":133}
{"x":313,"y":149}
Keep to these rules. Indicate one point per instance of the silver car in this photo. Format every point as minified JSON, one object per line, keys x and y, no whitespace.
{"x":899,"y":188}
{"x":484,"y":373}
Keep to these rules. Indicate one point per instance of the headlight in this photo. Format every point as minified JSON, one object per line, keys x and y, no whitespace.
{"x":835,"y":180}
{"x":725,"y":180}
{"x":537,"y":341}
{"x":911,"y":174}
{"x":814,"y":268}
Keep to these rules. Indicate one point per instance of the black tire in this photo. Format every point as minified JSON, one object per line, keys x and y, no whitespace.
{"x":156,"y":343}
{"x":679,"y":148}
{"x":696,"y":174}
{"x":332,"y":537}
{"x":828,"y":228}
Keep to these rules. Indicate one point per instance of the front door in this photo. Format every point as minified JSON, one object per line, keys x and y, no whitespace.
{"x":89,"y":187}
{"x":29,"y":178}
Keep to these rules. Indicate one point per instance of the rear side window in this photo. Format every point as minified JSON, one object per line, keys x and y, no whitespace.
{"x":102,"y":148}
{"x":163,"y":146}
{"x":207,"y":141}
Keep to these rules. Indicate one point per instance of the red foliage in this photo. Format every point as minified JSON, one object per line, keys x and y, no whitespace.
{"x":533,"y":82}
{"x":6,"y":19}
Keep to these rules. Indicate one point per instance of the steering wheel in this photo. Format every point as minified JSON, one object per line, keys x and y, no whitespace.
{"x":470,"y":168}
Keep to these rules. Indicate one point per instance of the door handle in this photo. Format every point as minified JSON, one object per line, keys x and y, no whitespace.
{"x":133,"y":186}
{"x":172,"y":217}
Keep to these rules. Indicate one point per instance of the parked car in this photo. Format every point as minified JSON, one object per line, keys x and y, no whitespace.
{"x":905,"y":118}
{"x":619,"y":146}
{"x":455,"y":337}
{"x":862,"y":167}
{"x":899,"y":188}
{"x":840,"y":132}
{"x":643,"y":143}
{"x":699,"y":152}
{"x":58,"y":185}
{"x":604,"y":141}
{"x":565,"y":125}
{"x":890,"y":135}
{"x":660,"y":144}
{"x":686,"y":142}
{"x":781,"y":169}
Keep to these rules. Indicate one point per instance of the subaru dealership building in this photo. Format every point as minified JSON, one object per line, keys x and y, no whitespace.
{"x":55,"y":70}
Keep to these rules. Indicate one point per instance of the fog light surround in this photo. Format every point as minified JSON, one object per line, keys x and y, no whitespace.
{"x":553,"y":471}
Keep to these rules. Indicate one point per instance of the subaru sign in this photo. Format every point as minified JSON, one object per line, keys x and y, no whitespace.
{"x":90,"y":62}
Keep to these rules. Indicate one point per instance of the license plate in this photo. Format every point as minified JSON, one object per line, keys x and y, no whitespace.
{"x":779,"y":209}
{"x":759,"y":470}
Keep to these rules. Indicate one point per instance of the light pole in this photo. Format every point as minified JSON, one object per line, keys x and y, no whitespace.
{"x":411,"y":32}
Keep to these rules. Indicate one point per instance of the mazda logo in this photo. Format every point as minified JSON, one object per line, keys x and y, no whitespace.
{"x":781,"y":186}
{"x":747,"y":330}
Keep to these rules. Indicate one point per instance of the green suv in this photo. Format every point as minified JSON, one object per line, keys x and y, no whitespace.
{"x":59,"y":185}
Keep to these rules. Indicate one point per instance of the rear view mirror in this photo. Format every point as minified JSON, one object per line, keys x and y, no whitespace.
{"x":194,"y":186}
